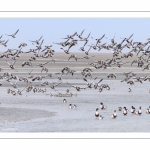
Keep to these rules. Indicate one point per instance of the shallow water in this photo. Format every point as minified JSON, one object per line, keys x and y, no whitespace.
{"x":81,"y":119}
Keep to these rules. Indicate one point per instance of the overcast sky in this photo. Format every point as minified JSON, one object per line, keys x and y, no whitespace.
{"x":54,"y":29}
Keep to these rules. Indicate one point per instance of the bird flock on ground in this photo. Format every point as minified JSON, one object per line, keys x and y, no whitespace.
{"x":137,"y":49}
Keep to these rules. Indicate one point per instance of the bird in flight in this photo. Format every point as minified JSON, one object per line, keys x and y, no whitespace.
{"x":13,"y":35}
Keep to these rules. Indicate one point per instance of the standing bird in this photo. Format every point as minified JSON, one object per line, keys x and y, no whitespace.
{"x":114,"y":115}
{"x":64,"y":101}
{"x":119,"y":108}
{"x":139,"y":112}
{"x":125,"y":111}
{"x":13,"y":35}
{"x":100,"y":117}
{"x":102,"y":106}
{"x":129,"y":90}
{"x":132,"y":109}
{"x":148,"y":110}
{"x":97,"y":113}
{"x":70,"y":106}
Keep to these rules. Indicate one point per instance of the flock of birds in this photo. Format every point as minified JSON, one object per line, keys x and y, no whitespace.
{"x":138,"y":49}
{"x":123,"y":109}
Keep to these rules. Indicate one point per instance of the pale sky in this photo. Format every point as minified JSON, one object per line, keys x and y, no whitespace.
{"x":54,"y":29}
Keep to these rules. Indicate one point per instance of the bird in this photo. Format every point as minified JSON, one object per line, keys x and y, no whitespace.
{"x":54,"y":85}
{"x":74,"y":106}
{"x":139,"y":112}
{"x":125,"y":111}
{"x":133,"y":110}
{"x":22,"y":45}
{"x":89,"y":85}
{"x":120,"y":108}
{"x":14,"y":85}
{"x":111,"y":75}
{"x":100,"y":117}
{"x":148,"y":110}
{"x":11,"y":65}
{"x":37,"y":41}
{"x":130,"y":82}
{"x":26,"y":63}
{"x":64,"y":101}
{"x":4,"y":43}
{"x":102,"y":106}
{"x":42,"y":64}
{"x":80,"y":35}
{"x":97,"y":83}
{"x":70,"y":106}
{"x":70,"y":36}
{"x":98,"y":40}
{"x":67,"y":90}
{"x":97,"y":113}
{"x":77,"y":87}
{"x":13,"y":35}
{"x":114,"y":115}
{"x":73,"y":56}
{"x":129,"y":90}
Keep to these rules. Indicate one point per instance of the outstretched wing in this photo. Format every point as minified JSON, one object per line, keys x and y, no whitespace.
{"x":130,"y":36}
{"x":57,"y":84}
{"x":13,"y":62}
{"x":102,"y":37}
{"x":16,"y":32}
{"x":85,"y":80}
{"x":94,"y":79}
{"x":46,"y":62}
{"x":82,"y":32}
{"x":71,"y":85}
{"x":40,"y":38}
{"x":100,"y":80}
{"x":8,"y":63}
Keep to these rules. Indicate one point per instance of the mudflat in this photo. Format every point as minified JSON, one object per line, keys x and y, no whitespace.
{"x":45,"y":112}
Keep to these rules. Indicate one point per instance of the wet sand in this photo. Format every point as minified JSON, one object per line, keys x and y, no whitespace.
{"x":40,"y":112}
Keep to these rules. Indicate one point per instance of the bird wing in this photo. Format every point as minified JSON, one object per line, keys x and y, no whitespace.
{"x":82,"y":32}
{"x":85,"y":80}
{"x":100,"y":80}
{"x":6,"y":41}
{"x":32,"y":41}
{"x":42,"y":42}
{"x":74,"y":34}
{"x":69,"y":58}
{"x":130,"y":36}
{"x":57,"y":84}
{"x":23,"y":88}
{"x":16,"y":32}
{"x":40,"y":38}
{"x":75,"y":58}
{"x":94,"y":80}
{"x":71,"y":85}
{"x":46,"y":62}
{"x":8,"y":63}
{"x":13,"y":62}
{"x":102,"y":37}
{"x":9,"y":34}
{"x":88,"y":35}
